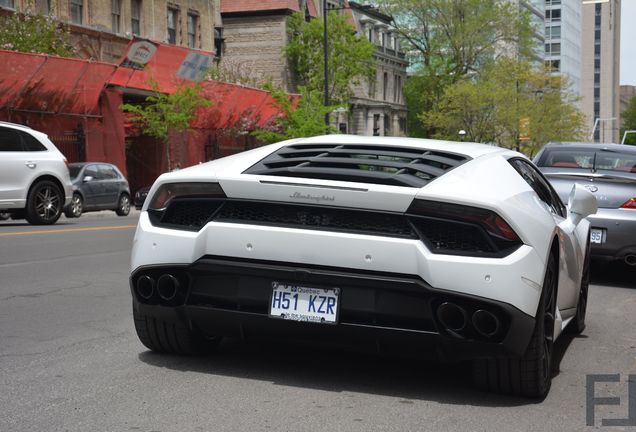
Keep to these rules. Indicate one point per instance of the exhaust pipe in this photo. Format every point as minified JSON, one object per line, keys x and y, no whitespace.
{"x":167,"y":287}
{"x":630,"y":260}
{"x":486,"y":323}
{"x":452,"y":317}
{"x":145,"y":287}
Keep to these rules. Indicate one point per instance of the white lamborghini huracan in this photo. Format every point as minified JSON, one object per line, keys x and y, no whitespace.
{"x":461,"y":251}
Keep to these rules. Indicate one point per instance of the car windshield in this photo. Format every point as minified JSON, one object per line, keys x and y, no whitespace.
{"x":74,"y":170}
{"x":589,"y":159}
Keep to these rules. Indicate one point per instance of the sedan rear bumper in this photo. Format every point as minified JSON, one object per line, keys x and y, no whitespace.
{"x":619,"y":226}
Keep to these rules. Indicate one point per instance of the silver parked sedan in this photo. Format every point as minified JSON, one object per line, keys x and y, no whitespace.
{"x":609,"y":172}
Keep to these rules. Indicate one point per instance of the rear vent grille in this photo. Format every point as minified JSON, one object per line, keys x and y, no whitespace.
{"x":318,"y":218}
{"x":397,"y":166}
{"x":453,"y":237}
{"x":190,"y":213}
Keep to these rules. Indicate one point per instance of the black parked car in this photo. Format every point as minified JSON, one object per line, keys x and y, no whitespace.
{"x":98,"y":186}
{"x":140,"y":197}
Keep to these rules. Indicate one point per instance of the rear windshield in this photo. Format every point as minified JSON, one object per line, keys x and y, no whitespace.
{"x":588,"y":159}
{"x":74,"y":170}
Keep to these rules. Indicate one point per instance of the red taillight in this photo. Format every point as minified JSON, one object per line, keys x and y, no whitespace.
{"x":631,"y":204}
{"x":462,"y":230}
{"x":169,"y":191}
{"x":499,"y":227}
{"x":66,"y":162}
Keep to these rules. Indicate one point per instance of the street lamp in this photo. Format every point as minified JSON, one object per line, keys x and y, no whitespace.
{"x":596,"y":122}
{"x":326,"y":54}
{"x":462,"y":134}
{"x":626,"y":133}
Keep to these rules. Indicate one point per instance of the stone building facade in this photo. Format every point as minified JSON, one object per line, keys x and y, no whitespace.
{"x":102,"y":29}
{"x":378,"y":107}
{"x":255,"y":35}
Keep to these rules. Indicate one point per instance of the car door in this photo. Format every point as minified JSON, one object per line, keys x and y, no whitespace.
{"x":110,"y":185}
{"x":569,"y":256}
{"x":91,"y":187}
{"x":20,"y":155}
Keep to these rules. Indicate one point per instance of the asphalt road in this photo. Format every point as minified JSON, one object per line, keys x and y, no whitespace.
{"x":70,"y":359}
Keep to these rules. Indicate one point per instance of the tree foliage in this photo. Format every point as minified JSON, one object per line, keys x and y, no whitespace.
{"x":449,"y":40}
{"x":510,"y":104}
{"x":350,"y":56}
{"x":296,"y":120}
{"x":35,"y":34}
{"x":629,"y":122}
{"x":163,"y":113}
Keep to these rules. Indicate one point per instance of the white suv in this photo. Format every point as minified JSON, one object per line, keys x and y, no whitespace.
{"x":34,"y":177}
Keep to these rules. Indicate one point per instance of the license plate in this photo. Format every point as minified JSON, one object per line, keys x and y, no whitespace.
{"x":301,"y":303}
{"x":596,"y":235}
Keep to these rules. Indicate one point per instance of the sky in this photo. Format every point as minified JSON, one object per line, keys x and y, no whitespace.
{"x":628,"y":42}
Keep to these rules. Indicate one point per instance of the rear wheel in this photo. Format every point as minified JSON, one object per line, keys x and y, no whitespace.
{"x":75,"y":208}
{"x":530,"y":375}
{"x":171,"y":337}
{"x":123,"y":205}
{"x":44,"y":203}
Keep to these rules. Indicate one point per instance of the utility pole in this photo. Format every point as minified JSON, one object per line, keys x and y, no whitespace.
{"x":326,"y":59}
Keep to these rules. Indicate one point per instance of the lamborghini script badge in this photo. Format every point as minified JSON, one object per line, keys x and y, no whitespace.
{"x":309,"y":197}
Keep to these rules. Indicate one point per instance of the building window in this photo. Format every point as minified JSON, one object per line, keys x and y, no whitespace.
{"x":173,"y":21}
{"x":193,"y":29}
{"x":7,"y":4}
{"x":372,"y":83}
{"x":77,"y":11}
{"x":135,"y":17}
{"x":116,"y":15}
{"x":370,"y":34}
{"x":385,"y":86}
{"x":218,"y":41}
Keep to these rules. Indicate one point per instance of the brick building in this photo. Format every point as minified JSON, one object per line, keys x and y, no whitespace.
{"x":101,"y":29}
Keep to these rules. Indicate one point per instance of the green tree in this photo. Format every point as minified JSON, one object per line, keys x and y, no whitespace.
{"x":163,"y":113}
{"x":350,"y":56}
{"x":35,"y":34}
{"x":448,"y":40}
{"x":629,"y":122}
{"x":296,"y":120}
{"x":510,"y":104}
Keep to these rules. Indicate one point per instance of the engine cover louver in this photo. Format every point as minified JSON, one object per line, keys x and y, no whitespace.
{"x":396,"y":166}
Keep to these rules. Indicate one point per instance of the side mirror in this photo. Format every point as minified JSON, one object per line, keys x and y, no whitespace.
{"x":581,"y":204}
{"x":88,"y":179}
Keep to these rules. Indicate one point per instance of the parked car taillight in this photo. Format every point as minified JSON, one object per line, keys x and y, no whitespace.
{"x":631,"y":204}
{"x":462,"y":230}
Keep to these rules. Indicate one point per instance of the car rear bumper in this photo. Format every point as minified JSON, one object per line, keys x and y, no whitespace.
{"x":377,"y":311}
{"x":619,"y":226}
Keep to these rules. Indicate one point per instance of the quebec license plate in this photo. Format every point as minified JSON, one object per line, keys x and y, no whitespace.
{"x":301,"y":303}
{"x":596,"y":235}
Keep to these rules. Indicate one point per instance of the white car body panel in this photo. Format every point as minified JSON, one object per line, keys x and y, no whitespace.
{"x":516,"y":279}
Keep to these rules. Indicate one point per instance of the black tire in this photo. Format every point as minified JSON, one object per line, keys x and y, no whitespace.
{"x":123,"y":205}
{"x":171,"y":337}
{"x":75,"y":208}
{"x":578,"y":322}
{"x":531,"y":375}
{"x":4,"y":216}
{"x":44,"y":203}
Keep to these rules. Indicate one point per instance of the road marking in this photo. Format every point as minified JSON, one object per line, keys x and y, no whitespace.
{"x":67,"y":230}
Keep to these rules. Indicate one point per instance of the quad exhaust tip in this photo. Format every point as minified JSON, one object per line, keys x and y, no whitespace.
{"x":452,"y":316}
{"x":167,"y":287}
{"x":145,"y":287}
{"x":486,"y":323}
